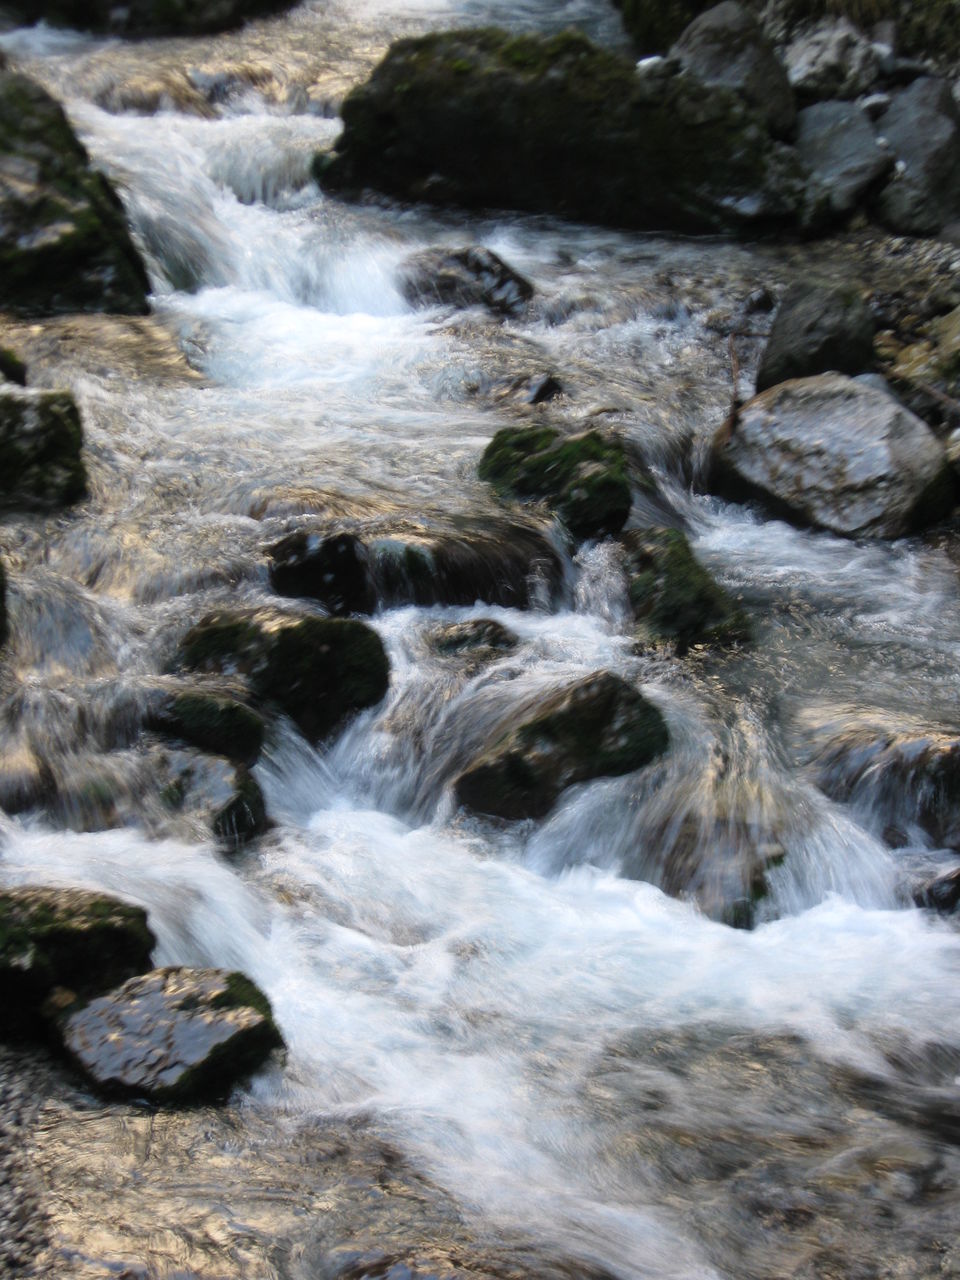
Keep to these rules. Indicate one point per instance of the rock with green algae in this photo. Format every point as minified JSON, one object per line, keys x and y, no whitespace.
{"x":319,"y":671}
{"x":64,"y":244}
{"x":174,"y":1036}
{"x":482,"y":119}
{"x":41,"y":439}
{"x":71,"y":938}
{"x":583,"y":478}
{"x":147,"y":17}
{"x":598,"y":727}
{"x":674,"y":596}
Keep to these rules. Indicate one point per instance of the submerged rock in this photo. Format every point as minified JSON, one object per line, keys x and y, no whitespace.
{"x":64,"y":245}
{"x":598,"y":727}
{"x":727,"y":47}
{"x":554,"y":125}
{"x":834,"y":453}
{"x":147,"y":17}
{"x":583,"y":478}
{"x":672,"y":593}
{"x":213,"y":722}
{"x":837,"y":143}
{"x":922,"y":128}
{"x":68,"y":938}
{"x":174,"y":1035}
{"x":319,"y":671}
{"x":464,"y":278}
{"x":818,"y":328}
{"x":41,"y":438}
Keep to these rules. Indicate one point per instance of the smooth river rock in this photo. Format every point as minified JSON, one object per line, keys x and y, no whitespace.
{"x":836,"y":454}
{"x":174,"y":1035}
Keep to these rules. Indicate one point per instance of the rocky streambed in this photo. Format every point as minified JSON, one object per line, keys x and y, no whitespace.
{"x":479,"y":784}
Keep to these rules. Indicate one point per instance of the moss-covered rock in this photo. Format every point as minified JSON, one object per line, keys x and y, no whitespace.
{"x":213,"y":722}
{"x":483,"y":118}
{"x":70,"y":938}
{"x":318,"y":670}
{"x":12,"y":368}
{"x":599,"y":727}
{"x":147,"y":17}
{"x":655,"y":24}
{"x":41,"y":438}
{"x":64,"y":244}
{"x":174,"y":1036}
{"x":583,"y":478}
{"x":674,"y":596}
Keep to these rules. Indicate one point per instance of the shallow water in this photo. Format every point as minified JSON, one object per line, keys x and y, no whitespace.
{"x":506,"y":1047}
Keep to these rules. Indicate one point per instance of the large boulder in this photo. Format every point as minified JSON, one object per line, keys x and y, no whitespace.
{"x":583,"y":478}
{"x":69,"y":938}
{"x":599,"y":727}
{"x":318,"y":670}
{"x":464,"y":278}
{"x":174,"y":1035}
{"x":673,"y":596}
{"x":839,"y":146}
{"x":41,"y":438}
{"x":818,"y":328}
{"x":834,"y":453}
{"x":146,"y":17}
{"x":555,"y":125}
{"x":922,"y":129}
{"x":64,"y":245}
{"x":727,"y":47}
{"x":832,"y":60}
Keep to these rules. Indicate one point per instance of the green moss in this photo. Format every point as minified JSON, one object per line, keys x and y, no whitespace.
{"x":213,"y":723}
{"x":222,"y":643}
{"x":243,"y":993}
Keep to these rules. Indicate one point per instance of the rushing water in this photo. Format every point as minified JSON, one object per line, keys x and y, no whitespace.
{"x":507,"y":1048}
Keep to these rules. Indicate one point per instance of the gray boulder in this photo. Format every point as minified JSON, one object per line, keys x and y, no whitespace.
{"x":41,"y":438}
{"x":174,"y":1035}
{"x":830,"y":452}
{"x":922,"y":128}
{"x":727,"y":47}
{"x":832,"y":60}
{"x":838,"y":145}
{"x":464,"y":278}
{"x":817,"y":328}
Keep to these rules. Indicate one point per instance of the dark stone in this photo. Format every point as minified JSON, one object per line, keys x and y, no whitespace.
{"x":482,"y":634}
{"x":836,"y":454}
{"x":922,"y":126}
{"x":319,"y":671}
{"x":583,"y":478}
{"x":818,"y":327}
{"x":175,"y":1036}
{"x":147,"y":17}
{"x":727,"y":47}
{"x":599,"y":727}
{"x":655,"y":24}
{"x":69,"y":938}
{"x":41,"y":439}
{"x":64,"y":244}
{"x":333,"y":570}
{"x":544,"y":388}
{"x":213,"y":722}
{"x":215,"y":793}
{"x":244,"y":816}
{"x":12,"y":368}
{"x":941,"y":893}
{"x":464,"y":278}
{"x":672,"y":593}
{"x":554,"y":125}
{"x":836,"y":142}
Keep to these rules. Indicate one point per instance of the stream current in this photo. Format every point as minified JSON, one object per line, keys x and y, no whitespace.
{"x":510,"y":1053}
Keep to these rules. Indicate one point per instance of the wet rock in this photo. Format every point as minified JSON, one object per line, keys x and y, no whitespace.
{"x":147,"y":17}
{"x":817,"y":328}
{"x":727,"y":47}
{"x":319,"y":671}
{"x":41,"y":439}
{"x":582,"y":478}
{"x":838,"y":145}
{"x":12,"y":368}
{"x":941,"y":893}
{"x":598,"y":727}
{"x":655,"y":24}
{"x":213,"y":722}
{"x":68,"y":938}
{"x":922,"y":128}
{"x":833,"y":60}
{"x":464,"y":278}
{"x":216,"y":795}
{"x":334,"y":570}
{"x":174,"y":1036}
{"x":478,"y":635}
{"x":64,"y":245}
{"x":3,"y":605}
{"x":672,"y":593}
{"x":544,"y":388}
{"x":830,"y":452}
{"x":555,"y":125}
